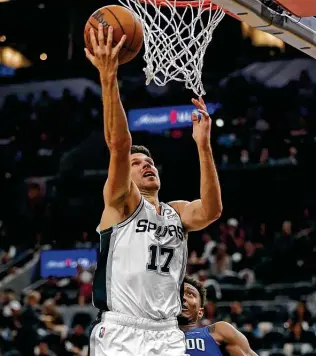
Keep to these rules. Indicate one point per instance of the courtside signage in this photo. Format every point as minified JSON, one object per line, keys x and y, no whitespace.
{"x":63,"y":263}
{"x":164,"y":118}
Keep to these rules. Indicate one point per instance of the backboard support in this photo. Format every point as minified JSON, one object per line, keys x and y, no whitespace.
{"x":299,"y":32}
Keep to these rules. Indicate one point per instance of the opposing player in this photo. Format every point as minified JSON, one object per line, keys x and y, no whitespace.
{"x":138,"y":280}
{"x":213,"y":339}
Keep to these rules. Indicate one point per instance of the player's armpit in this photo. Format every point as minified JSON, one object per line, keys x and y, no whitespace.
{"x":236,"y":343}
{"x":191,"y":214}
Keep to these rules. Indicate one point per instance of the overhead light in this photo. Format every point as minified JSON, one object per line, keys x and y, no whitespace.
{"x":12,"y":58}
{"x":3,"y":38}
{"x":43,"y":56}
{"x":219,"y":122}
{"x":41,"y":6}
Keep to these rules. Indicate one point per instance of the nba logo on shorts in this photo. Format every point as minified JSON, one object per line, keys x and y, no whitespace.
{"x":102,"y":332}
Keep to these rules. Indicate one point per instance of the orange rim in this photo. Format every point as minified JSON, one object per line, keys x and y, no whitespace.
{"x":206,"y":4}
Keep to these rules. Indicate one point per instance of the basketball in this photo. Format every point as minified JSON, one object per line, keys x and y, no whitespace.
{"x":123,"y":22}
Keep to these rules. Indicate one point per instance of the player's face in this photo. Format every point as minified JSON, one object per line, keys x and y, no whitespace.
{"x":191,"y":304}
{"x":144,"y":173}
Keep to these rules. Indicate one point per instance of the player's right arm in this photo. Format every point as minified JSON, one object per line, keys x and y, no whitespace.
{"x":120,"y":194}
{"x":236,"y":343}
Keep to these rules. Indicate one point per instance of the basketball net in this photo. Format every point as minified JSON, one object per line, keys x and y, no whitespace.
{"x":176,"y":35}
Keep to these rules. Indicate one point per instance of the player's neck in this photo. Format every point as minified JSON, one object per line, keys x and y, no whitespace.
{"x":152,"y":198}
{"x":188,"y":327}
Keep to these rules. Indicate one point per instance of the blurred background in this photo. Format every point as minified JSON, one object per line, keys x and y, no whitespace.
{"x":258,"y":261}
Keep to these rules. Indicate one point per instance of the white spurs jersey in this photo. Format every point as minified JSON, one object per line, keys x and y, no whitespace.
{"x":142,"y":264}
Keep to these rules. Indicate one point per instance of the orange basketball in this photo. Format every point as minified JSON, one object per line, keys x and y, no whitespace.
{"x":123,"y":22}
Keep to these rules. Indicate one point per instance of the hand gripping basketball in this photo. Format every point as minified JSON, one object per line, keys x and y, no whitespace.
{"x":105,"y":57}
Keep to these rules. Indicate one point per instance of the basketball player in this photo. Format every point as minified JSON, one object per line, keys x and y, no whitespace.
{"x":210,"y":340}
{"x":138,"y":279}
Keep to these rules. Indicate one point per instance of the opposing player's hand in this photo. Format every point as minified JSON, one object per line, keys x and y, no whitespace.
{"x":105,"y":57}
{"x":201,"y":127}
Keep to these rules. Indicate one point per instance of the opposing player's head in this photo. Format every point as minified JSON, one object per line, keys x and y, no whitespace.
{"x":193,"y":301}
{"x":143,"y":171}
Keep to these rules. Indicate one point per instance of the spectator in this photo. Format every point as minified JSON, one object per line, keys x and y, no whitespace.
{"x":34,"y":213}
{"x":238,"y":316}
{"x":209,"y":245}
{"x":12,"y":313}
{"x":306,"y":88}
{"x":210,"y":314}
{"x":195,"y":263}
{"x":293,"y":155}
{"x":285,"y":238}
{"x":299,"y":335}
{"x":42,"y":349}
{"x":234,"y":237}
{"x":251,"y":256}
{"x":244,"y":156}
{"x":52,"y":319}
{"x":30,"y":311}
{"x":264,"y":156}
{"x":27,"y":336}
{"x":262,"y":125}
{"x":43,"y":108}
{"x":260,"y":236}
{"x":85,"y":292}
{"x":6,"y":337}
{"x":301,"y":314}
{"x":221,"y":262}
{"x":7,"y":296}
{"x":84,"y":241}
{"x":76,"y":343}
{"x":306,"y":223}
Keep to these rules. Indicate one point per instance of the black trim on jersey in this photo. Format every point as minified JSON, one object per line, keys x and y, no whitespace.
{"x":99,"y":279}
{"x":182,"y":293}
{"x":95,"y":322}
{"x":129,"y":219}
{"x":181,"y":319}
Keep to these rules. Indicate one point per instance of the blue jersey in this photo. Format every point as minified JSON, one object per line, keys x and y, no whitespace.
{"x":200,"y":342}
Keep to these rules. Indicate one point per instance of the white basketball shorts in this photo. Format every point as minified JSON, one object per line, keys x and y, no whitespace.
{"x":122,"y":335}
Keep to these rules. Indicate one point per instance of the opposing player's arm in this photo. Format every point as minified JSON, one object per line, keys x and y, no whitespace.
{"x":236,"y":343}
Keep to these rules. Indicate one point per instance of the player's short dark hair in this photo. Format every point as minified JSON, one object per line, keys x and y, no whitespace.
{"x":199,"y":287}
{"x":140,"y":149}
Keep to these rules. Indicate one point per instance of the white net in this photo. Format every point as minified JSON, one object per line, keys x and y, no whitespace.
{"x":176,"y":39}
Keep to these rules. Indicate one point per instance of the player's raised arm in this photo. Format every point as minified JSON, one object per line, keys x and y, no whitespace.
{"x":236,"y":343}
{"x":198,"y":214}
{"x":116,"y":132}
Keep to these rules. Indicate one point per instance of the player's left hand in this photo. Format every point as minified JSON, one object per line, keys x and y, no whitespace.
{"x":201,"y":127}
